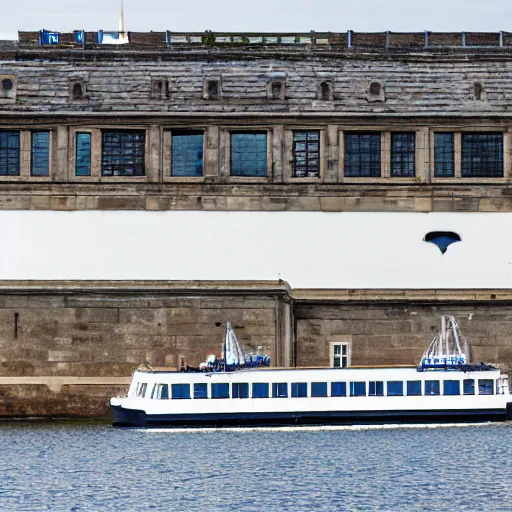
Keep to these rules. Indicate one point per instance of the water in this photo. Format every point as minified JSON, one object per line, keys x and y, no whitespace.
{"x":99,"y":468}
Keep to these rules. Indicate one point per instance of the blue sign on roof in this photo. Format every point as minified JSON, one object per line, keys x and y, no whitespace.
{"x":47,"y":37}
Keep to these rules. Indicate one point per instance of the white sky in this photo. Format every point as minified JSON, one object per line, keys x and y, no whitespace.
{"x":258,"y":15}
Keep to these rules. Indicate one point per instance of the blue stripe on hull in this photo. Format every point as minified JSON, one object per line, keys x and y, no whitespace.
{"x":130,"y":417}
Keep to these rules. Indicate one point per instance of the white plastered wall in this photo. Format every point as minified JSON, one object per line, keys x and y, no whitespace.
{"x":308,"y":250}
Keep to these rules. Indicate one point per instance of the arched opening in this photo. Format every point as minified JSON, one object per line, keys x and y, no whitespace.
{"x":443,"y":239}
{"x":375,"y":89}
{"x":325,"y":91}
{"x":478,"y":89}
{"x":77,"y":91}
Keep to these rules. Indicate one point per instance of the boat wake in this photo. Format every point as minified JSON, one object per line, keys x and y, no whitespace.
{"x":327,"y":428}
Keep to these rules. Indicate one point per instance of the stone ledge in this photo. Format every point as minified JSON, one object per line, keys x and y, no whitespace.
{"x":55,"y":384}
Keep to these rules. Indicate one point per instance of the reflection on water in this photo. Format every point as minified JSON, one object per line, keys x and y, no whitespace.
{"x":393,"y":468}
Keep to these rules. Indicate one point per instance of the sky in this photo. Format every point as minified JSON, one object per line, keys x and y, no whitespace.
{"x":258,"y":16}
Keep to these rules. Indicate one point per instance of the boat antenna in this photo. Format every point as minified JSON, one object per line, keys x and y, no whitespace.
{"x":121,"y":20}
{"x":228,"y":325}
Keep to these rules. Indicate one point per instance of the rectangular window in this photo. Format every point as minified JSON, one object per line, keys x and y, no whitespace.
{"x":9,"y":153}
{"x":414,"y":388}
{"x":40,"y":155}
{"x":249,"y":154}
{"x":200,"y":391}
{"x":279,"y":390}
{"x":220,"y":391}
{"x":260,"y":390}
{"x":362,"y":155}
{"x":180,"y":391}
{"x":141,"y":392}
{"x":403,"y":151}
{"x":432,"y":387}
{"x":444,"y":155}
{"x":160,"y":392}
{"x":376,"y":389}
{"x":358,"y":389}
{"x":469,"y":386}
{"x":451,"y":387}
{"x":338,"y":389}
{"x":485,"y":387}
{"x":306,"y":154}
{"x":482,"y":155}
{"x":122,"y":153}
{"x":340,"y":355}
{"x":240,"y":390}
{"x":187,"y":154}
{"x":299,"y":389}
{"x":395,"y":388}
{"x":318,"y":389}
{"x":83,"y":154}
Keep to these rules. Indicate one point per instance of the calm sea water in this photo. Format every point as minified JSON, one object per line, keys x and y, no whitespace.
{"x":99,"y":468}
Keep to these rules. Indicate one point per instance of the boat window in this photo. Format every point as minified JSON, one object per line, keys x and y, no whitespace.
{"x":180,"y":391}
{"x":376,"y":388}
{"x":451,"y":387}
{"x":414,"y":387}
{"x":240,"y":390}
{"x":469,"y":386}
{"x":432,"y":387}
{"x":260,"y":390}
{"x":338,"y":389}
{"x":160,"y":392}
{"x":142,"y":390}
{"x":220,"y":391}
{"x":299,"y":389}
{"x":200,"y":391}
{"x":318,"y":389}
{"x":279,"y":390}
{"x":485,"y":387}
{"x":395,"y":388}
{"x":358,"y":389}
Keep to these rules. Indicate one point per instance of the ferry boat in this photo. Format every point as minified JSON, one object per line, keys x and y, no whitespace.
{"x":240,"y":390}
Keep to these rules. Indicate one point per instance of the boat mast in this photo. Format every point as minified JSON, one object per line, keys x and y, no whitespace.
{"x":225,"y":345}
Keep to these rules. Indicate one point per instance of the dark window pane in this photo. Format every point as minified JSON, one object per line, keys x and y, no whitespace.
{"x":200,"y":391}
{"x":240,"y":390}
{"x":9,"y":153}
{"x":432,"y":387}
{"x":485,"y":387}
{"x":299,"y":389}
{"x":40,"y":154}
{"x":376,"y":389}
{"x":362,"y":155}
{"x":403,"y":155}
{"x":180,"y":391}
{"x":358,"y":389}
{"x":338,"y":389}
{"x":260,"y":390}
{"x":83,"y":154}
{"x":279,"y":390}
{"x":469,"y":386}
{"x":220,"y":391}
{"x":444,"y":159}
{"x":395,"y":388}
{"x":187,"y":154}
{"x":451,"y":387}
{"x":414,"y":388}
{"x":123,"y":153}
{"x":306,"y":154}
{"x":248,"y":154}
{"x":319,"y":389}
{"x":482,"y":155}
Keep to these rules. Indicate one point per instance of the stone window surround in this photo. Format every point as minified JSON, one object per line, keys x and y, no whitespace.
{"x":458,"y":131}
{"x":225,"y":154}
{"x":385,"y":131}
{"x":26,"y":154}
{"x":96,"y":152}
{"x":340,"y":340}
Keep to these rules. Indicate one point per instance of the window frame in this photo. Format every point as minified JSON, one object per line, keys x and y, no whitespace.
{"x":19,"y":157}
{"x":75,"y":154}
{"x":49,"y":173}
{"x":294,"y":153}
{"x":168,"y":166}
{"x":145,"y":156}
{"x":332,"y":354}
{"x":358,"y":133}
{"x":230,"y":154}
{"x":296,"y":388}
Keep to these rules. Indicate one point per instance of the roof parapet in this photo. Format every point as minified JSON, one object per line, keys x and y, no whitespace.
{"x":350,"y":40}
